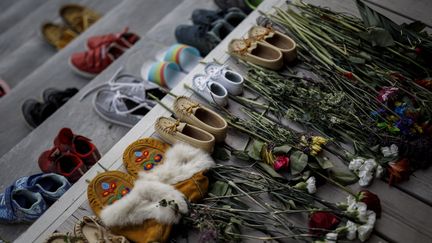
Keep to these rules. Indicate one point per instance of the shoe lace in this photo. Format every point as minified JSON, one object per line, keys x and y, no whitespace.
{"x":118,"y":101}
{"x":129,"y":88}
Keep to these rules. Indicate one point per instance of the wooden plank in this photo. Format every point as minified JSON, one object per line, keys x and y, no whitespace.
{"x":419,"y":186}
{"x":13,"y":127}
{"x":412,"y":10}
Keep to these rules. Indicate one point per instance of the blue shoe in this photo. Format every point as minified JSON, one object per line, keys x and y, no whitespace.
{"x":20,"y":205}
{"x":50,"y":185}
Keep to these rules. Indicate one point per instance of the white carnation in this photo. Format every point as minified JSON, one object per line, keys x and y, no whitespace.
{"x":364,"y":231}
{"x":331,"y":237}
{"x":379,"y":171}
{"x":311,"y":185}
{"x":355,"y":164}
{"x":351,"y":230}
{"x":391,"y":151}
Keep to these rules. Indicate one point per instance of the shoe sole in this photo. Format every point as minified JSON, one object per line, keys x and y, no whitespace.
{"x":25,"y":120}
{"x":79,"y":72}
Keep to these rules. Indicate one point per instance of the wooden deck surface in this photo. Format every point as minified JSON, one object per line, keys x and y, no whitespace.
{"x":406,"y":207}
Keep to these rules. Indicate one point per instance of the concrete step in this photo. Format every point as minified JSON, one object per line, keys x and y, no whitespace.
{"x":14,"y":11}
{"x":28,"y":50}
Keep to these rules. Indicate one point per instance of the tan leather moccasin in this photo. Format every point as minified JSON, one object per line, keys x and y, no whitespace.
{"x":256,"y":52}
{"x":172,"y":131}
{"x":277,"y":39}
{"x":200,"y":116}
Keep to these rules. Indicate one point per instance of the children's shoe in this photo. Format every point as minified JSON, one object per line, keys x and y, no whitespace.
{"x":20,"y":205}
{"x":51,"y":186}
{"x":210,"y":90}
{"x":64,"y":238}
{"x":234,"y":17}
{"x":58,"y":97}
{"x":78,"y":17}
{"x":66,"y":164}
{"x":277,"y":39}
{"x":92,"y":229}
{"x":92,"y":62}
{"x":67,"y":141}
{"x":173,"y":131}
{"x":256,"y":52}
{"x":227,"y":4}
{"x":4,"y":88}
{"x":57,"y":35}
{"x":121,"y":109}
{"x":208,"y":17}
{"x":125,"y":39}
{"x":232,"y":81}
{"x":198,"y":37}
{"x":35,"y":112}
{"x":200,"y":116}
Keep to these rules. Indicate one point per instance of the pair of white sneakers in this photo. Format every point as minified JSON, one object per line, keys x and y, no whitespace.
{"x":217,"y":82}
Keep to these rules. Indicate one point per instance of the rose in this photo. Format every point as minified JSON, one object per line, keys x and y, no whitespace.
{"x":371,"y":200}
{"x":320,"y":221}
{"x":281,"y":162}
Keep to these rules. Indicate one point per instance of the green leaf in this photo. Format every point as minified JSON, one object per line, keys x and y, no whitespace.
{"x":298,"y":161}
{"x":344,"y":177}
{"x":220,"y":153}
{"x":242,"y":155}
{"x":356,"y":60}
{"x":378,"y":37}
{"x":255,"y":151}
{"x":284,"y":149}
{"x":324,"y":163}
{"x":269,"y":170}
{"x":219,"y":188}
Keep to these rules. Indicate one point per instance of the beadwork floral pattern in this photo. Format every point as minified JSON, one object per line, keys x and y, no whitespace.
{"x":147,"y":159}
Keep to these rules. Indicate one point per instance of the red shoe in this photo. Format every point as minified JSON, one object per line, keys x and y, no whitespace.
{"x":92,"y":62}
{"x":79,"y":145}
{"x":4,"y":88}
{"x":125,"y":39}
{"x":66,"y":164}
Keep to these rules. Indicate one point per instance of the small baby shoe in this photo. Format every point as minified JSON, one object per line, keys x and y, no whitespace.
{"x":232,"y":81}
{"x":200,"y":116}
{"x":51,"y":186}
{"x":210,"y":90}
{"x":21,"y":205}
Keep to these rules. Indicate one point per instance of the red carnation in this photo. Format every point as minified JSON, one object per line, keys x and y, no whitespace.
{"x":387,"y":93}
{"x":281,"y":162}
{"x":320,"y":221}
{"x":371,"y":200}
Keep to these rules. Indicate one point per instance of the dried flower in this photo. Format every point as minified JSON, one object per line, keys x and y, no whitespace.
{"x":371,"y":200}
{"x":281,"y":162}
{"x":322,"y":220}
{"x":398,"y":171}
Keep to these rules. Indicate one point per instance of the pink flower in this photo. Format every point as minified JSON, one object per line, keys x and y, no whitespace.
{"x":386,"y":93}
{"x":281,"y":162}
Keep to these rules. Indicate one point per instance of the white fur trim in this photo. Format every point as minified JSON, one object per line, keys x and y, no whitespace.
{"x":142,"y":203}
{"x":181,"y":162}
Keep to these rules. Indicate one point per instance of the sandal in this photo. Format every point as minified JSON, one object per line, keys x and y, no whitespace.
{"x":258,"y":53}
{"x":275,"y":38}
{"x":144,"y":155}
{"x":77,"y":17}
{"x":92,"y":229}
{"x":57,"y":36}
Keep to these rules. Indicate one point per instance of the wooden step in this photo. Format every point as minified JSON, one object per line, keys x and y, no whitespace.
{"x":79,"y":115}
{"x":29,"y":50}
{"x":13,"y":12}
